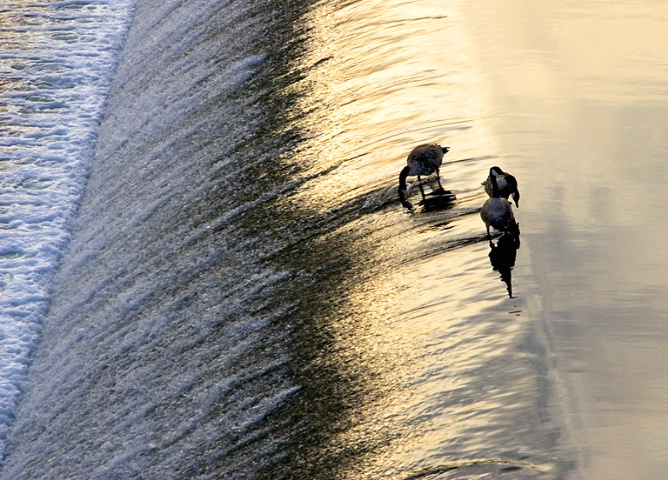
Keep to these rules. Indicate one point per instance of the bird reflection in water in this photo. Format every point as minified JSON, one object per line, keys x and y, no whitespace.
{"x":502,"y":255}
{"x":438,"y":200}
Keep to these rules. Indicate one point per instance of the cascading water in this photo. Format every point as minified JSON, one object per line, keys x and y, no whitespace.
{"x":207,"y":273}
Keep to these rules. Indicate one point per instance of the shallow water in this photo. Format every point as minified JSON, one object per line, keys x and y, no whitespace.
{"x":244,"y":297}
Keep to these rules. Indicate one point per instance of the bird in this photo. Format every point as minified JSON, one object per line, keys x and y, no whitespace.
{"x":506,"y":183}
{"x":497,"y":212}
{"x":425,"y":160}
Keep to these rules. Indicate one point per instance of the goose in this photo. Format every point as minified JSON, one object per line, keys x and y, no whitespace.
{"x":497,"y":212}
{"x":423,"y":160}
{"x":506,"y":183}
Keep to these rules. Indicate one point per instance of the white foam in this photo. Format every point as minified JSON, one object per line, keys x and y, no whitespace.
{"x":56,"y":61}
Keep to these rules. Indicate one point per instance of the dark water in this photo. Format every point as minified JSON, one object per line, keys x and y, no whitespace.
{"x":244,"y":297}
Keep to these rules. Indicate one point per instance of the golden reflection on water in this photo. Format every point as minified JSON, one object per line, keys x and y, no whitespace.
{"x":425,"y":332}
{"x":382,"y":85}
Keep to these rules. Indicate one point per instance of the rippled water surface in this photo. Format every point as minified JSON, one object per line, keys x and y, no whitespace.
{"x":443,"y":365}
{"x":245,"y":297}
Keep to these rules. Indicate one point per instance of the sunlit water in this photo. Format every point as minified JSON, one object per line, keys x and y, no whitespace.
{"x":243,"y":295}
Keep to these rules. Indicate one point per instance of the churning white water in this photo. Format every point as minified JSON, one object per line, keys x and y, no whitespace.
{"x":56,"y":63}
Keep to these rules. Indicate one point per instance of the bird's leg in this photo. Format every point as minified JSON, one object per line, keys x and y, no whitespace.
{"x":421,"y":189}
{"x":438,"y":179}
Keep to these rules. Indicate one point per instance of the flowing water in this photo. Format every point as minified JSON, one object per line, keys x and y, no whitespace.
{"x":232,"y":289}
{"x":56,"y":62}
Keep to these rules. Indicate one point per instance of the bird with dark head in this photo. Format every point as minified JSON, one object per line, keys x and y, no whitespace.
{"x":497,"y":212}
{"x":423,"y":160}
{"x":505,"y":182}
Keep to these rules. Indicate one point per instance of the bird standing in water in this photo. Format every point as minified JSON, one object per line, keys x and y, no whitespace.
{"x":497,"y":212}
{"x":505,"y":182}
{"x":423,"y":160}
